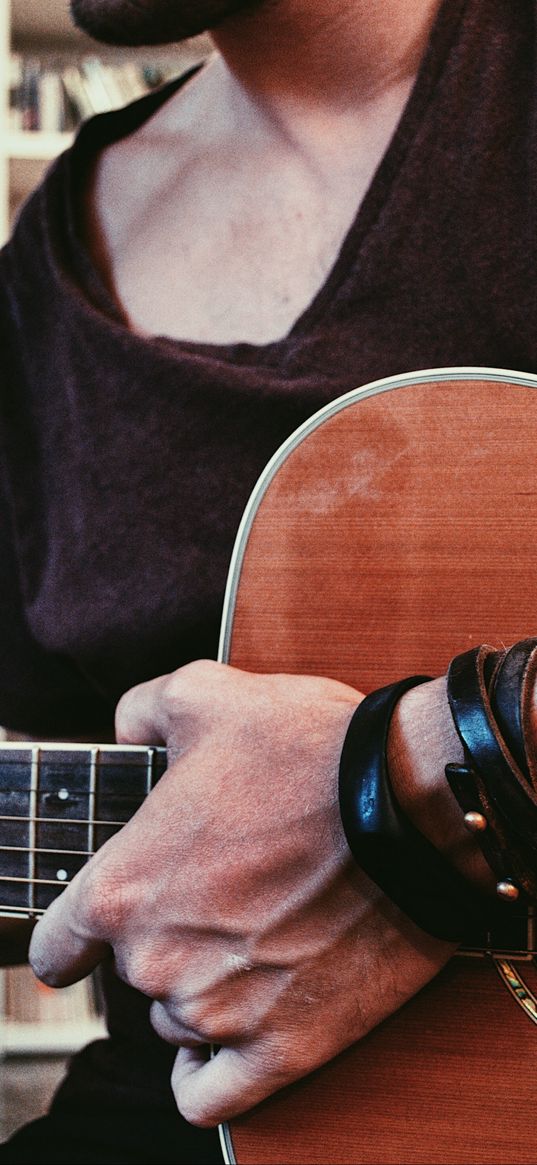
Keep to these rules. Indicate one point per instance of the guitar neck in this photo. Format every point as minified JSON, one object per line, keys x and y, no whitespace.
{"x":58,"y":805}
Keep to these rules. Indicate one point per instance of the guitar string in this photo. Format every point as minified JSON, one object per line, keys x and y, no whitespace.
{"x":36,"y":849}
{"x":36,"y":881}
{"x":108,"y":754}
{"x":74,"y":794}
{"x":22,"y":911}
{"x":148,"y":756}
{"x":61,"y":820}
{"x":85,"y":822}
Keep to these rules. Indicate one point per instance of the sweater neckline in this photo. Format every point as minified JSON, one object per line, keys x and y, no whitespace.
{"x":104,"y":129}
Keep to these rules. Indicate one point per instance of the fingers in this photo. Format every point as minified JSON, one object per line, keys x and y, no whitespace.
{"x":64,"y":947}
{"x":148,"y":713}
{"x":170,"y":1027}
{"x":210,"y":1091}
{"x":142,"y":715}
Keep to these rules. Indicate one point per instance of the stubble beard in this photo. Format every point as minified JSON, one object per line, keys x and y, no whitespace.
{"x":152,"y":22}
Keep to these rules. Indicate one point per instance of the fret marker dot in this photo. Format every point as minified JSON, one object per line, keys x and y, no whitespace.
{"x":62,"y":875}
{"x":63,"y":794}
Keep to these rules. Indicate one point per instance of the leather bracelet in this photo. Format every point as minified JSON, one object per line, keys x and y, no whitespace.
{"x":494,"y":786}
{"x":385,"y":843}
{"x":510,"y":699}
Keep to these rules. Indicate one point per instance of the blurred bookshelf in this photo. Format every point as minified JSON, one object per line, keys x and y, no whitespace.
{"x":52,"y":77}
{"x":37,"y":1020}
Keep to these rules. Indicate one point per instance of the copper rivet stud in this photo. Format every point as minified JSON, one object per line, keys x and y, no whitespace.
{"x":507,"y":890}
{"x":475,"y":822}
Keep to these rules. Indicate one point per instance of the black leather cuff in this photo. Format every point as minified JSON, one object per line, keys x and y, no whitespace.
{"x":495,"y":784}
{"x":385,"y":843}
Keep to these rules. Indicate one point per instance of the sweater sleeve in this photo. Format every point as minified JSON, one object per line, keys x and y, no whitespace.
{"x":41,"y":694}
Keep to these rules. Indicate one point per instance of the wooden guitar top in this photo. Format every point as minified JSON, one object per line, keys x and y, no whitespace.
{"x":396,"y":529}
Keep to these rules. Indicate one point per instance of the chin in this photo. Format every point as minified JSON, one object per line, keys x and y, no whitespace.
{"x":152,"y":22}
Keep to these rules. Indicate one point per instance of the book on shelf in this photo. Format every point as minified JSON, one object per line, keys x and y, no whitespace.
{"x":57,"y":96}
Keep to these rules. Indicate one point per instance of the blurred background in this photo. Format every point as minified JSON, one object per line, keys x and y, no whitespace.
{"x":52,"y":77}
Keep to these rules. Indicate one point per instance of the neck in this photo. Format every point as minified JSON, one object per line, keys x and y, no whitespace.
{"x":290,"y":55}
{"x":58,"y":805}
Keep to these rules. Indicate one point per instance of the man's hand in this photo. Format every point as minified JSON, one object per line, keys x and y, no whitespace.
{"x":231,"y":899}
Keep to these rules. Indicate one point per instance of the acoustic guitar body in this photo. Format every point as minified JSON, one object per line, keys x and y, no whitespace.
{"x":395,"y":529}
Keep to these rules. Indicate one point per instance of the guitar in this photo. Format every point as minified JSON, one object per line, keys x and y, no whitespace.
{"x":393,"y":530}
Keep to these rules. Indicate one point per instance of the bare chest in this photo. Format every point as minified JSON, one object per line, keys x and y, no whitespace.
{"x":229,"y":242}
{"x":209,"y":263}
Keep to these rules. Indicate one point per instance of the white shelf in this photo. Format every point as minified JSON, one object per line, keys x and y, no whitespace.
{"x":36,"y":145}
{"x":5,"y":39}
{"x":47,"y":1038}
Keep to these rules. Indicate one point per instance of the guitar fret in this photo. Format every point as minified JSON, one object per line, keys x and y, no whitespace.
{"x":58,"y":804}
{"x":32,"y":833}
{"x":92,"y":798}
{"x":150,"y":770}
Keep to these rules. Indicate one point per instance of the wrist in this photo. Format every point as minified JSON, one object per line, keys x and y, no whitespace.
{"x":422,"y":740}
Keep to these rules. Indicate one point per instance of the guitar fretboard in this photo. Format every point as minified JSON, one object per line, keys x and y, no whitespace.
{"x":58,"y":805}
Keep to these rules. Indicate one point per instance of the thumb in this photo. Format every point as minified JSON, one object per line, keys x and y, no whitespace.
{"x":210,"y":1091}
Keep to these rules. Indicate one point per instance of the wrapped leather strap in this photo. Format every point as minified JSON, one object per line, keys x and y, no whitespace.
{"x":385,"y":843}
{"x":492,"y":782}
{"x":510,"y":698}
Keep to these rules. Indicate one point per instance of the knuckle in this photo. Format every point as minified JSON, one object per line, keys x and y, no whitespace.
{"x":197,"y":1110}
{"x":181,"y":683}
{"x":169,"y":1023}
{"x":188,"y":697}
{"x":286,"y":1061}
{"x":173,"y":691}
{"x":124,"y":717}
{"x":210,"y":1025}
{"x":105,"y":899}
{"x":140,"y":969}
{"x":202,"y":667}
{"x":160,"y":1021}
{"x":195,"y":1015}
{"x":222,"y":1030}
